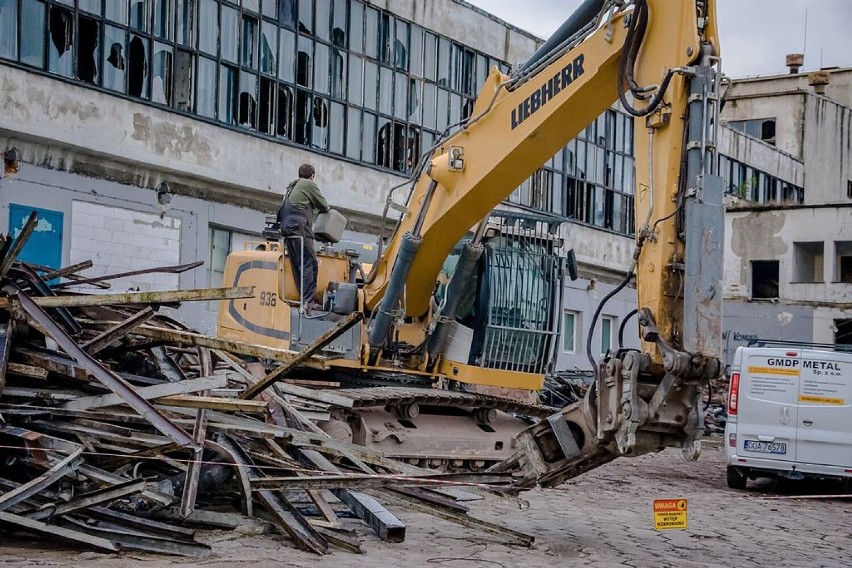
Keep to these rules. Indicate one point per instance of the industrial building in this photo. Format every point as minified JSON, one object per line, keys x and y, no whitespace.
{"x":160,"y":132}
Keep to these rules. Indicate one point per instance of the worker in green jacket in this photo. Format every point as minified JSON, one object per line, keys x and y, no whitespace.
{"x":302,"y":202}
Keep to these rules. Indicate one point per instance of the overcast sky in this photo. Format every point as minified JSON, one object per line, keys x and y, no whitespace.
{"x":755,"y":34}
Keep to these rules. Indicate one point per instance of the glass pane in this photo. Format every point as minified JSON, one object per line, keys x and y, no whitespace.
{"x":304,"y":62}
{"x":319,"y":124}
{"x":137,"y":67}
{"x":208,"y":26}
{"x":32,"y":43}
{"x":441,"y":112}
{"x":269,"y":49}
{"x":415,"y":59}
{"x":415,"y":88}
{"x":251,"y":5}
{"x":400,"y":96}
{"x":568,"y":332}
{"x":140,"y":15}
{"x":338,"y":69}
{"x":386,"y":38}
{"x":400,"y":46}
{"x":115,"y":11}
{"x":606,"y":334}
{"x":444,"y":48}
{"x":205,"y":105}
{"x":287,"y":13}
{"x":430,"y":56}
{"x":321,"y":68}
{"x":385,"y":90}
{"x":163,"y":11}
{"x":338,"y":23}
{"x":89,"y":50}
{"x":229,"y":34}
{"x":248,"y":101}
{"x":61,"y":59}
{"x":371,"y":84}
{"x":368,"y":139}
{"x":323,"y":19}
{"x":227,"y":94}
{"x":186,"y":22}
{"x":270,"y":8}
{"x":430,"y":95}
{"x":306,"y":16}
{"x":355,"y":79}
{"x":286,"y":56}
{"x":114,"y":64}
{"x":161,"y":82}
{"x":455,"y":108}
{"x":9,"y":29}
{"x":183,"y":81}
{"x":353,"y":133}
{"x":356,"y":27}
{"x":249,"y":42}
{"x":371,"y":32}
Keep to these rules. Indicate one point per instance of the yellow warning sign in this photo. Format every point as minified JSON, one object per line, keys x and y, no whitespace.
{"x":820,"y":399}
{"x":670,"y":514}
{"x":774,"y":371}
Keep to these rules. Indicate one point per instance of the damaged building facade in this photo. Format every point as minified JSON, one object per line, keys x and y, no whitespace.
{"x":161,"y":132}
{"x":788,"y":257}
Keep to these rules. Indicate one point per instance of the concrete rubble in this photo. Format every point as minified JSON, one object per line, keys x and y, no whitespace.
{"x":122,"y":429}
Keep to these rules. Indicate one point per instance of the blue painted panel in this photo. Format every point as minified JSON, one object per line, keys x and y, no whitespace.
{"x":44,"y":246}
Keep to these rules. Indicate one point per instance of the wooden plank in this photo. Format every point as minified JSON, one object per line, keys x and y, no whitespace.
{"x":18,"y":245}
{"x":26,"y":371}
{"x":166,"y":297}
{"x":215,"y":403}
{"x":316,"y":394}
{"x":148,"y":393}
{"x":119,"y":330}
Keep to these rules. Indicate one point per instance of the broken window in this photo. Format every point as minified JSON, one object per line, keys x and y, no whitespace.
{"x":248,"y":101}
{"x":161,"y":82}
{"x":306,"y":16}
{"x":61,"y":26}
{"x":338,"y":67}
{"x":285,"y":112}
{"x":229,"y":34}
{"x":287,"y":13}
{"x":843,"y":261}
{"x":338,"y":23}
{"x":266,"y":106}
{"x":114,"y":64}
{"x":137,"y":67}
{"x":400,"y":45}
{"x":304,"y":114}
{"x":808,"y":262}
{"x":764,"y":279}
{"x":415,"y":87}
{"x":249,"y":42}
{"x":183,"y":81}
{"x":843,"y":332}
{"x":323,"y":19}
{"x":185,"y":13}
{"x":140,"y":11}
{"x":32,"y":42}
{"x":304,"y":62}
{"x":353,"y":133}
{"x":227,"y":94}
{"x":205,"y":105}
{"x":319,"y":123}
{"x":336,"y":128}
{"x":163,"y":11}
{"x":208,"y":24}
{"x":9,"y":29}
{"x":287,"y":56}
{"x":269,"y":49}
{"x":398,"y":147}
{"x":762,"y":128}
{"x":541,"y":187}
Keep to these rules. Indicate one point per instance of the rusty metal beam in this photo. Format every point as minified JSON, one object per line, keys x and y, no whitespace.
{"x":374,"y":481}
{"x":157,"y":269}
{"x":5,"y":347}
{"x":109,"y":379}
{"x":54,"y":531}
{"x":41,"y":482}
{"x":18,"y":245}
{"x":119,"y":330}
{"x":168,"y":297}
{"x":87,"y":500}
{"x":199,"y":434}
{"x":148,"y":393}
{"x":333,"y":333}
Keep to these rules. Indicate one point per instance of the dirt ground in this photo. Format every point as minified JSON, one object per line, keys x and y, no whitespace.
{"x":601,"y":519}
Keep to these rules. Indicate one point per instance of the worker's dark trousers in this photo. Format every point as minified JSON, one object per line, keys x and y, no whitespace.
{"x":296,"y":222}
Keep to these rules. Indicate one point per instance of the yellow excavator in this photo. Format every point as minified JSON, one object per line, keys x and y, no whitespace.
{"x":465,"y":299}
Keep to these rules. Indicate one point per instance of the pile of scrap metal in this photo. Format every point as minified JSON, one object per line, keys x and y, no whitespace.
{"x":122,"y":429}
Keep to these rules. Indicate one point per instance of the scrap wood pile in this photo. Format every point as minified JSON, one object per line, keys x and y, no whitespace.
{"x":122,"y":429}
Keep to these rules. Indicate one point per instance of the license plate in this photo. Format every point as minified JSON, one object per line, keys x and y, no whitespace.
{"x":765,"y":447}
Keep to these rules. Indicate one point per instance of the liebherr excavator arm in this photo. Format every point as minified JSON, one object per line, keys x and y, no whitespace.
{"x":660,"y":58}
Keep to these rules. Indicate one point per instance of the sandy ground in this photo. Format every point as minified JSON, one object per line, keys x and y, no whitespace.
{"x":602,"y":519}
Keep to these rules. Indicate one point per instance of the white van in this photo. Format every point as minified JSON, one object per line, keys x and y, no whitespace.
{"x":789,"y":414}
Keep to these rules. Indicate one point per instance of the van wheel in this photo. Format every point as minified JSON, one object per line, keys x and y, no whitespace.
{"x":737,"y":477}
